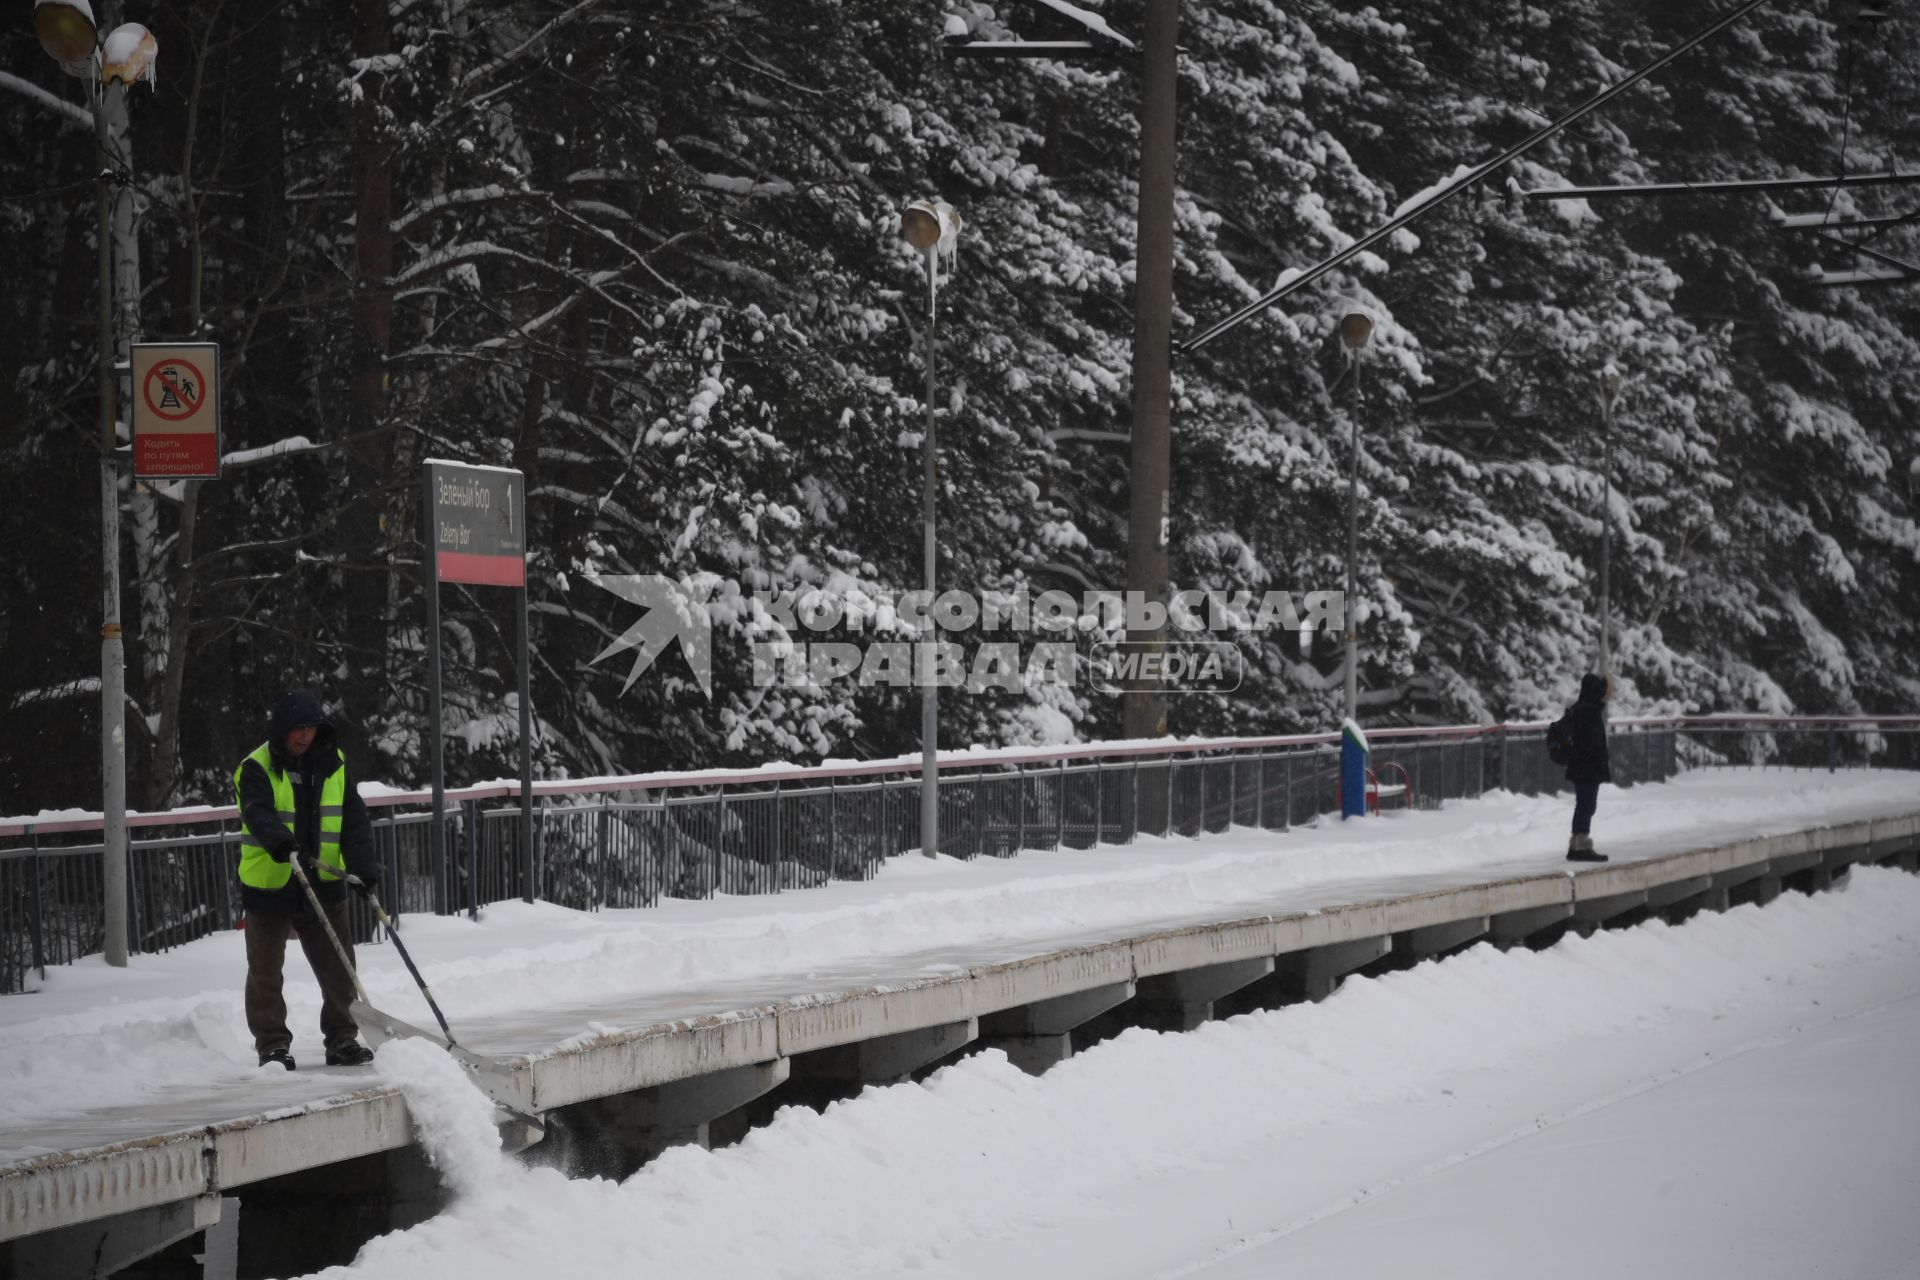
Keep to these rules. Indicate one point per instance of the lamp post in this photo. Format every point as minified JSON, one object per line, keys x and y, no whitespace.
{"x":930,"y":226}
{"x":1610,"y":382}
{"x":1356,"y":327}
{"x":67,"y":32}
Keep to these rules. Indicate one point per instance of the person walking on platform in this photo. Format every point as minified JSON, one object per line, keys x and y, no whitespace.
{"x":1588,"y":765}
{"x":297,"y":801}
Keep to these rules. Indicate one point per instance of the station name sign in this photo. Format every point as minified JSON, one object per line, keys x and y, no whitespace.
{"x":476,"y":524}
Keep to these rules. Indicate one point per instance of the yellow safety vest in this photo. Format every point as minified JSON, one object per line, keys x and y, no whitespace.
{"x":258,"y":868}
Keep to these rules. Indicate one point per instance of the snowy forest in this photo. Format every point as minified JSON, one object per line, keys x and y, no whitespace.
{"x":648,"y":252}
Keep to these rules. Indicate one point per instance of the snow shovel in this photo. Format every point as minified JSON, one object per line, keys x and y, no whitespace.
{"x":490,"y":1077}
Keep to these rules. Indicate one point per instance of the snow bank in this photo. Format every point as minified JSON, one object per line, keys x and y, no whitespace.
{"x":901,"y":1178}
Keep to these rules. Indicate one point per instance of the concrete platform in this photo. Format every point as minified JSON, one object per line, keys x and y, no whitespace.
{"x":193,"y":1149}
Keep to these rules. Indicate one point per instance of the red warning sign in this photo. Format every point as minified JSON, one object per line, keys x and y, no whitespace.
{"x":176,"y":410}
{"x":175,"y":390}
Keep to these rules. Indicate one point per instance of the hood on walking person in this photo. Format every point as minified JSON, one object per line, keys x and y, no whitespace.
{"x":1594,"y":688}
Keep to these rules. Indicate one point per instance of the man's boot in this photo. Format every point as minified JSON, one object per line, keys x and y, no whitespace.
{"x":1581,"y":850}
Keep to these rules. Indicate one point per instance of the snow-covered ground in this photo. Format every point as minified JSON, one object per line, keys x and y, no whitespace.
{"x":1731,"y":1097}
{"x":93,"y":1038}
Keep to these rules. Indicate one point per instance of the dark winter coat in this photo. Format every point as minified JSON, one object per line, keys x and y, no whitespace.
{"x":309,"y":771}
{"x":1590,"y":762}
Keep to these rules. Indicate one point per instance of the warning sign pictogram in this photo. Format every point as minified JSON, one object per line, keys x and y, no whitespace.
{"x":176,"y":410}
{"x":175,"y":390}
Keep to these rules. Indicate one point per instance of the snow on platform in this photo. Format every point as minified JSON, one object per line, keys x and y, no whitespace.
{"x":170,"y":1030}
{"x":99,"y":1056}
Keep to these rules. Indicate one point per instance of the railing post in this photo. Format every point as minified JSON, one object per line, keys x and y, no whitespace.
{"x":1099,"y":804}
{"x":602,"y":821}
{"x":1168,"y":833}
{"x":537,"y":854}
{"x":1233,"y":788}
{"x":1260,"y":790}
{"x":975,"y":787}
{"x":1060,"y":807}
{"x":226,"y":874}
{"x":134,"y":926}
{"x":779,"y":829}
{"x":36,"y":922}
{"x":389,"y":860}
{"x":1286,"y":821}
{"x":713,"y":845}
{"x":527,"y":846}
{"x":1133,"y":802}
{"x":442,"y":888}
{"x":1833,"y":748}
{"x":833,"y":849}
{"x":1020,"y":810}
{"x":471,"y":810}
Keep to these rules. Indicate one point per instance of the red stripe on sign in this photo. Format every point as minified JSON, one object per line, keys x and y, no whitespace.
{"x":488,"y":571}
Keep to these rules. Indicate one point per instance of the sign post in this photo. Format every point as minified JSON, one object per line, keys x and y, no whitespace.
{"x":176,"y":410}
{"x":476,"y":521}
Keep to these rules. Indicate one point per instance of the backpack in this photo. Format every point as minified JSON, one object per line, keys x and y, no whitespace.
{"x":1560,"y":740}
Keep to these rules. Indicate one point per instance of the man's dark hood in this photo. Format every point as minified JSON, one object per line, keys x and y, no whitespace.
{"x":1593,"y":688}
{"x":298,"y":709}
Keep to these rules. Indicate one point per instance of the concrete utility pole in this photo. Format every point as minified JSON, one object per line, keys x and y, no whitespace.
{"x":67,"y":31}
{"x":113,"y":664}
{"x":1356,"y":327}
{"x":1149,"y":509}
{"x":1610,"y":381}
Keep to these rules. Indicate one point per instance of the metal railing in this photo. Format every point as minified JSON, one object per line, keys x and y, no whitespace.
{"x":628,"y":842}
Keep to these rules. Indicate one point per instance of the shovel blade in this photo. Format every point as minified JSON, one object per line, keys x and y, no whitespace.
{"x":490,"y":1077}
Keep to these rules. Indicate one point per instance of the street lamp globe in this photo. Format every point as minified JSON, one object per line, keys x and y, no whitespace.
{"x":920,"y":225}
{"x":128,"y":55}
{"x":67,"y":32}
{"x":1356,"y":327}
{"x":931,"y":224}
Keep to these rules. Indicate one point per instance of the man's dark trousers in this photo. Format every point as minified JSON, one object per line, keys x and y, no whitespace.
{"x":267,"y":933}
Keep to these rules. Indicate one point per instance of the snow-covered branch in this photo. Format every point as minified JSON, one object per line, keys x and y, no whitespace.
{"x":488,"y":69}
{"x":85,"y":686}
{"x":267,"y":452}
{"x":747,"y":186}
{"x":471,"y":195}
{"x":69,"y":112}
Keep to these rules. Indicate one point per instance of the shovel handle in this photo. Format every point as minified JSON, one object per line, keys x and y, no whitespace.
{"x":320,"y":914}
{"x":394,"y":935}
